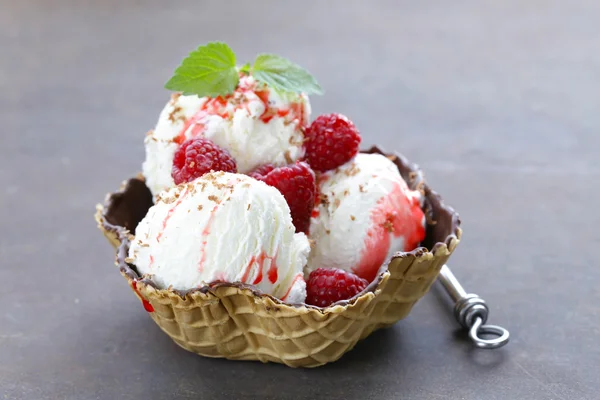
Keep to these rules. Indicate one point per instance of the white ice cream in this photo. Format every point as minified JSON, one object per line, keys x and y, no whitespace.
{"x":222,"y":227}
{"x":257,"y":125}
{"x":367,"y":213}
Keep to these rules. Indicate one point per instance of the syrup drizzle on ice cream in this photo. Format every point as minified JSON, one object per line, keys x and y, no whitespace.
{"x":247,"y":93}
{"x":394,"y":215}
{"x":259,"y":261}
{"x":205,"y":233}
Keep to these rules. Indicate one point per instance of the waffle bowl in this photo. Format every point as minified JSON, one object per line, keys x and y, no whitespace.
{"x":235,"y":321}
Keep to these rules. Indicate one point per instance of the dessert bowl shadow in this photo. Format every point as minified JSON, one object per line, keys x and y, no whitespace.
{"x":236,"y":321}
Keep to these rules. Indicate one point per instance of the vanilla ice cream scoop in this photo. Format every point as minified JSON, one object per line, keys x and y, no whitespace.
{"x":222,"y":227}
{"x":256,"y":124}
{"x":366,"y":213}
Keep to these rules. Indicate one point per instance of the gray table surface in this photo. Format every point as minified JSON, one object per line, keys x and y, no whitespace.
{"x":498,"y":101}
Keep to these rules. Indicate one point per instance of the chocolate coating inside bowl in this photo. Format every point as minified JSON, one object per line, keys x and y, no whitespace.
{"x":128,"y":207}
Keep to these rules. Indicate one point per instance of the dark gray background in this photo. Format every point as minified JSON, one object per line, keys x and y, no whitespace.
{"x":498,"y":101}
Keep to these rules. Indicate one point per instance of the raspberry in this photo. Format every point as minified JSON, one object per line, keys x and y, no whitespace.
{"x":297,"y":184}
{"x":195,"y":157}
{"x":325,"y":286}
{"x":260,"y":172}
{"x":330,"y":141}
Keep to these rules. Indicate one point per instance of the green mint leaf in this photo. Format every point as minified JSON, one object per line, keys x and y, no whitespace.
{"x":245,"y":68}
{"x":210,"y":70}
{"x":283,"y":75}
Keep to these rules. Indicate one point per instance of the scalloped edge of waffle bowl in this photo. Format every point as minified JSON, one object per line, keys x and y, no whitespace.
{"x":235,"y":321}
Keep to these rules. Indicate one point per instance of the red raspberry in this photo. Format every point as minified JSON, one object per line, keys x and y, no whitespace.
{"x":330,"y":141}
{"x":195,"y":157}
{"x":297,"y":184}
{"x":325,"y":286}
{"x":260,"y":172}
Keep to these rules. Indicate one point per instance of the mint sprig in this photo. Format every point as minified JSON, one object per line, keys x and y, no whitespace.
{"x":283,"y":75}
{"x":211,"y":70}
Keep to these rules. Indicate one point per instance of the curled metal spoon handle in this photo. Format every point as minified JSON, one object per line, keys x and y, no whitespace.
{"x":500,"y":334}
{"x":472,"y":312}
